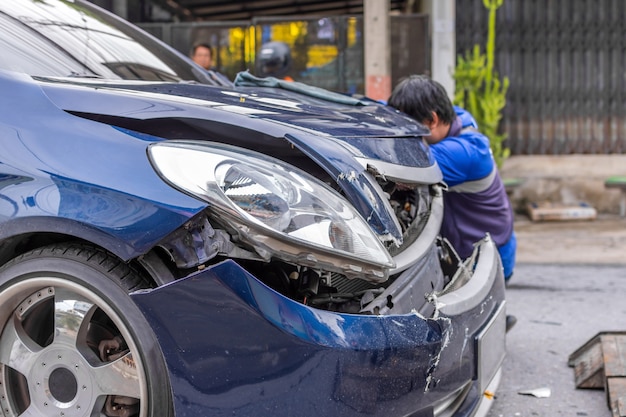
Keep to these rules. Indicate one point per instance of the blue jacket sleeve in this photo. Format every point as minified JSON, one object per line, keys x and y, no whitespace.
{"x":462,"y":158}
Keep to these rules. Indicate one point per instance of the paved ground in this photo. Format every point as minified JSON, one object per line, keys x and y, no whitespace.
{"x":599,"y":241}
{"x":558,"y":309}
{"x":569,"y":285}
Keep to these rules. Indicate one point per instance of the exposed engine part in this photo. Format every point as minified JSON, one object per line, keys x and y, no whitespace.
{"x":449,"y":259}
{"x":460,"y":274}
{"x":196,"y":243}
{"x":308,"y":283}
{"x":412,"y":208}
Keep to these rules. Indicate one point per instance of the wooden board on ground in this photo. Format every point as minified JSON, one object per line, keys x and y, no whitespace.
{"x":616,"y":396}
{"x":601,"y":363}
{"x":546,"y":211}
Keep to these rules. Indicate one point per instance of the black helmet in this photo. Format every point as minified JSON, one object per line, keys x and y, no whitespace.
{"x":274,"y":59}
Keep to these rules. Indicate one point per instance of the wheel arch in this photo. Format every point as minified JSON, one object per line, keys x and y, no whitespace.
{"x":54,"y":229}
{"x":25,"y":234}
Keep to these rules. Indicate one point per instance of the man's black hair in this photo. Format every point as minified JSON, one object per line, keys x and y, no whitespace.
{"x":419,"y":96}
{"x":198,"y":45}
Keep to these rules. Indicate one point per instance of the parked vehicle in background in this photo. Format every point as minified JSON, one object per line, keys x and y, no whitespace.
{"x":171,"y":246}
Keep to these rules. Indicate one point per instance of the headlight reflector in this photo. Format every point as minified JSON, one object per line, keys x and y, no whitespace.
{"x":297,"y":214}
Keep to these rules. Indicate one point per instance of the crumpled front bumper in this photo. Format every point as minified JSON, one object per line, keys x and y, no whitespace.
{"x":235,"y":347}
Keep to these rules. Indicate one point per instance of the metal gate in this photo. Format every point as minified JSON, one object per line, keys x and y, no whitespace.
{"x":327,"y":51}
{"x":566,"y":61}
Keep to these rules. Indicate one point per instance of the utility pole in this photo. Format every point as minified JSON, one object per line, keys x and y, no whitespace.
{"x":120,"y":8}
{"x":377,"y":54}
{"x":443,"y":42}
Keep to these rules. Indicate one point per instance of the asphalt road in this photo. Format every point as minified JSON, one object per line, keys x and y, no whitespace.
{"x":563,"y":293}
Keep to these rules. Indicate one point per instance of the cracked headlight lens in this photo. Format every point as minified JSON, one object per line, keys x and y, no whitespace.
{"x":274,"y":206}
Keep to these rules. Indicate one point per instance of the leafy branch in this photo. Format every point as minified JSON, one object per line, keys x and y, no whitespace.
{"x":479,"y":89}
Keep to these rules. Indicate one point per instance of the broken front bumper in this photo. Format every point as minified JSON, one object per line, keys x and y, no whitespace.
{"x":234,"y":347}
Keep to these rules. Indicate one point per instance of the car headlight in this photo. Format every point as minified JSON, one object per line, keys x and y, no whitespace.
{"x":274,"y":206}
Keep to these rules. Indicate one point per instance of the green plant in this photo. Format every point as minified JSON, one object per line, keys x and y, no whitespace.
{"x":479,"y":89}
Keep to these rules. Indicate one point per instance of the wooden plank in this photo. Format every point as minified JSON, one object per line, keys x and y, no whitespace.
{"x":614,"y":355}
{"x":551,"y":211}
{"x":616,"y":396}
{"x":606,"y":350}
{"x":589,"y":365}
{"x":601,"y":363}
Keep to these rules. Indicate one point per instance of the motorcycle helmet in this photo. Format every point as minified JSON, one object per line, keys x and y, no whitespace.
{"x":274,"y":60}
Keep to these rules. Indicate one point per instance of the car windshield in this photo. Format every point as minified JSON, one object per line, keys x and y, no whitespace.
{"x":72,"y":39}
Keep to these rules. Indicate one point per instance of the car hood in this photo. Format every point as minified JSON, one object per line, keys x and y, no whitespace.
{"x":336,"y":118}
{"x":353,"y":143}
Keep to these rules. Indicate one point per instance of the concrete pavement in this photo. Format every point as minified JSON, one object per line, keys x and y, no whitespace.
{"x":599,"y":241}
{"x":558,"y":307}
{"x":569,"y":285}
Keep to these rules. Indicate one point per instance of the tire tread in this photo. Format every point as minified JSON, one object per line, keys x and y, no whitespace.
{"x":128,"y":277}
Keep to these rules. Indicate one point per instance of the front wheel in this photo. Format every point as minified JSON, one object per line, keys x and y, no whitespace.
{"x":72,"y":341}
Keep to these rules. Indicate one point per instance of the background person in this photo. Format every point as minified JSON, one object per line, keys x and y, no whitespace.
{"x":202,"y":54}
{"x":476,"y":201}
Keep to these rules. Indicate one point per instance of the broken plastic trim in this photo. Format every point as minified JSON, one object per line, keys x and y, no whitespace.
{"x":484,"y":267}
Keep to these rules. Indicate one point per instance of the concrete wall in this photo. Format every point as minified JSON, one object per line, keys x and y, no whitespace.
{"x":568,"y":179}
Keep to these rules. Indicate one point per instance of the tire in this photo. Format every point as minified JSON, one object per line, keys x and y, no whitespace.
{"x":72,"y":341}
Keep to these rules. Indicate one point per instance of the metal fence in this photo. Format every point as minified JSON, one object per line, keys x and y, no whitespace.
{"x":327,"y":51}
{"x":229,"y":40}
{"x":565,"y":60}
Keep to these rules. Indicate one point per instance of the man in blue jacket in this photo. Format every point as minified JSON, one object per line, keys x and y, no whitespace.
{"x":476,"y":201}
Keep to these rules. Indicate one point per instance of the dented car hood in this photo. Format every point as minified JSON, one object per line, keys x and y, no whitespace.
{"x":352,"y":142}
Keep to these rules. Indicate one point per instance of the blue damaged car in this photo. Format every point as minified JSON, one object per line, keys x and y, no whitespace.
{"x":172,"y":244}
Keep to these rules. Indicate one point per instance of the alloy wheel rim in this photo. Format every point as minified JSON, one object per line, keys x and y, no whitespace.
{"x":74,"y":372}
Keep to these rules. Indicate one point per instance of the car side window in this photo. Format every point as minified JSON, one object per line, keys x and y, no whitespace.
{"x":65,"y":39}
{"x":24,"y":50}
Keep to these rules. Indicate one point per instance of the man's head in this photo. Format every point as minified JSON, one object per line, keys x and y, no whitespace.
{"x":202,"y":54}
{"x":426,"y":101}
